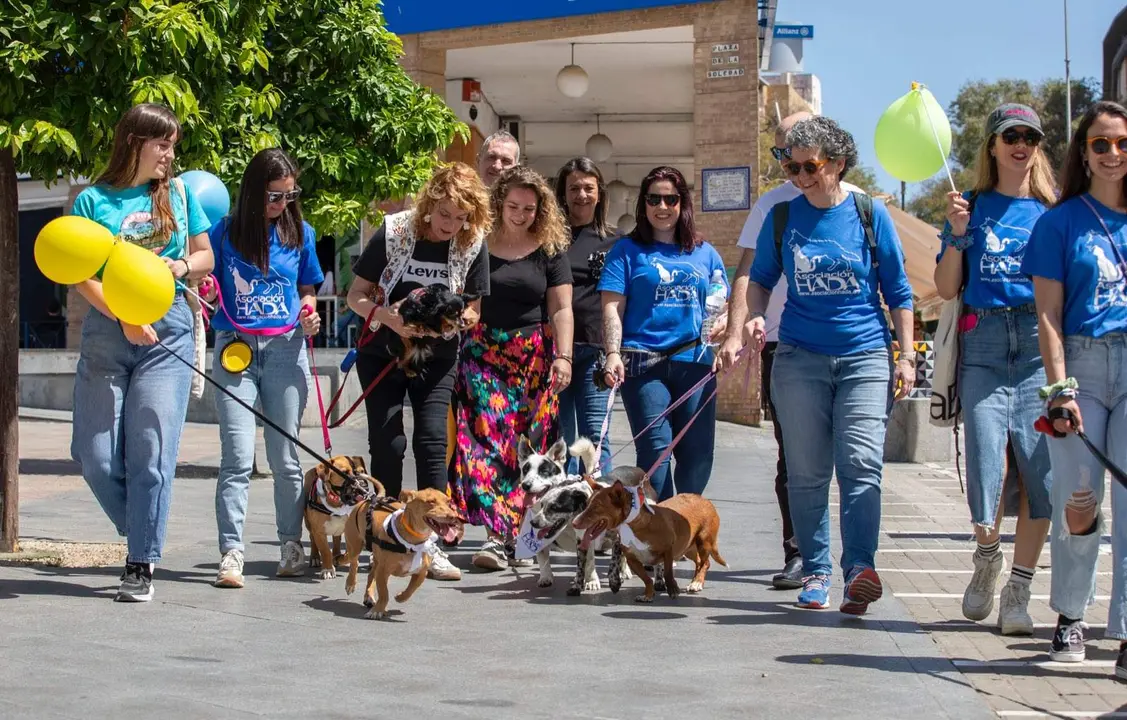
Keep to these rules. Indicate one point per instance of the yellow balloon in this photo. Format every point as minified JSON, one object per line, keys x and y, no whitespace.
{"x":70,"y":249}
{"x":137,"y":284}
{"x":906,"y":136}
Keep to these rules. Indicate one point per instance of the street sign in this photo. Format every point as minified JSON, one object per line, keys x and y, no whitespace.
{"x":802,"y":32}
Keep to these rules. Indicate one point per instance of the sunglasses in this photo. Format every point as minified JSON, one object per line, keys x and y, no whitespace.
{"x":276,"y":197}
{"x":1102,"y":145}
{"x":654,"y":200}
{"x":778,"y":153}
{"x":810,"y":166}
{"x":1011,"y":136}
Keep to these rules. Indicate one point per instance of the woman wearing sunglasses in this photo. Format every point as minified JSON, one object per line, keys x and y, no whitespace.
{"x":832,"y":379}
{"x":654,"y":285}
{"x":1077,"y":256}
{"x":1000,"y":365}
{"x":267,"y":271}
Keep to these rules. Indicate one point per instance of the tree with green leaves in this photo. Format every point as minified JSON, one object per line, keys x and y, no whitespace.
{"x":968,"y":113}
{"x":319,"y":78}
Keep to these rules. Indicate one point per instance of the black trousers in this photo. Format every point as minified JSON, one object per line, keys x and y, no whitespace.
{"x":430,"y":393}
{"x":790,"y":542}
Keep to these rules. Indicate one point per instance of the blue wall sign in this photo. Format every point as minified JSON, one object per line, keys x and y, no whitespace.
{"x":416,"y":16}
{"x":802,"y":32}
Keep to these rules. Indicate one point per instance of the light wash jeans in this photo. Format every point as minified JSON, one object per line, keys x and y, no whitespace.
{"x":1100,"y":368}
{"x":130,"y":402}
{"x":1000,"y":373}
{"x":583,"y":407}
{"x":278,"y":379}
{"x":833,"y":411}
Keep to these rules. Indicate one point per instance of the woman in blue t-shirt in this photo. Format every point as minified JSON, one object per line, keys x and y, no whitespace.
{"x":267,"y":271}
{"x":130,"y":397}
{"x":1000,"y":364}
{"x":832,"y":379}
{"x":1076,"y":256}
{"x":654,"y":284}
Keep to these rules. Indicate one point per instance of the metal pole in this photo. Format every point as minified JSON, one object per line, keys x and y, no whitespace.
{"x":1067,"y":81}
{"x":903,"y":190}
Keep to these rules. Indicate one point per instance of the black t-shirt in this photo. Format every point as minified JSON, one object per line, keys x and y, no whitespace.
{"x":586,"y":255}
{"x":518,"y":289}
{"x":428,"y":266}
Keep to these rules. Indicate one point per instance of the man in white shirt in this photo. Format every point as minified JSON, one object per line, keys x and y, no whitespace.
{"x":790,"y":577}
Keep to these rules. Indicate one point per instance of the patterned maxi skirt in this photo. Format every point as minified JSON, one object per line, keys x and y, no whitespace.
{"x":501,"y":393}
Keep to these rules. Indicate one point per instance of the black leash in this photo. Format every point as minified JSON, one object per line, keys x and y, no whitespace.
{"x":1059,"y":413}
{"x":317,"y":456}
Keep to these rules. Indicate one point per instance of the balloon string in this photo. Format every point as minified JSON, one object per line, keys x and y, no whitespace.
{"x":934,"y":132}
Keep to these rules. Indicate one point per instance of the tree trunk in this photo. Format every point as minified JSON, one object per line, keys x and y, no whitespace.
{"x":9,"y":355}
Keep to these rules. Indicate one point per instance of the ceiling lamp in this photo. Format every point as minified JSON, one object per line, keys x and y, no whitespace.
{"x":599,"y":146}
{"x":625,"y":223}
{"x":572,"y":80}
{"x":616,"y":189}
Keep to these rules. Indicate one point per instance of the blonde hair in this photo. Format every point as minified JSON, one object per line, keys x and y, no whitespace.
{"x":1041,"y":183}
{"x":460,"y":184}
{"x":550,"y":228}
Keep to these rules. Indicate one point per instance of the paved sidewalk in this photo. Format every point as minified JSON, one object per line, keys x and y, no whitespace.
{"x":491,"y":646}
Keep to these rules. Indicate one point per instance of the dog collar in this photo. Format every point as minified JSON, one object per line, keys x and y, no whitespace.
{"x":637,"y":502}
{"x":427,"y":547}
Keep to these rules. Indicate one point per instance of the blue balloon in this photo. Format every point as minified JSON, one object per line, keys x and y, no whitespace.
{"x":210,"y":193}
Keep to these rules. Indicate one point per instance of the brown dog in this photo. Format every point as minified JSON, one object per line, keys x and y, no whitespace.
{"x":400,"y":536}
{"x":329,"y":500}
{"x":685,"y":524}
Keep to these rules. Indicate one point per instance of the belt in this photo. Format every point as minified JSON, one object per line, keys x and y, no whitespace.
{"x":1025,"y":309}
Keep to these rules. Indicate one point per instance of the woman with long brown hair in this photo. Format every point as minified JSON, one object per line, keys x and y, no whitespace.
{"x":130,"y":397}
{"x":515,"y":361}
{"x":1000,"y":365}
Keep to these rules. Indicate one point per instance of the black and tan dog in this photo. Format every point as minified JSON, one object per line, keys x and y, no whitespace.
{"x":401,"y":537}
{"x":329,"y":500}
{"x":434,"y":309}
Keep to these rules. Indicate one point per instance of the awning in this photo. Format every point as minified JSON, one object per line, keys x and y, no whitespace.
{"x":921,"y":245}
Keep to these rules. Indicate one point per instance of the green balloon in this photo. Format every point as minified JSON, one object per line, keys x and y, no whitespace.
{"x":905,"y":140}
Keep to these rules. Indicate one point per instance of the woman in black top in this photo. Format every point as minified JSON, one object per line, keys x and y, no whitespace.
{"x":580,"y":191}
{"x":513,"y":363}
{"x":440,"y":241}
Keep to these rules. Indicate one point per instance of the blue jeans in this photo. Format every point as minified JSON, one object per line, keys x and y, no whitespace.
{"x":583,"y":407}
{"x":1100,"y":368}
{"x":278,"y":379}
{"x":1000,"y":373}
{"x":648,"y":395}
{"x":130,"y":402}
{"x":834,"y":411}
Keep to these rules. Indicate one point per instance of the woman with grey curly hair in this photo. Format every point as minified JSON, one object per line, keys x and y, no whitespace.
{"x":833,"y":378}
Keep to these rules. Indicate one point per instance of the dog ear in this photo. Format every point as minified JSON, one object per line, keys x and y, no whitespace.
{"x":524,"y":450}
{"x":405,"y":496}
{"x":558,"y":452}
{"x":358,"y":465}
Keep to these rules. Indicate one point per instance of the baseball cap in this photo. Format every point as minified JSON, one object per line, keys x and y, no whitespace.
{"x":1011,"y":115}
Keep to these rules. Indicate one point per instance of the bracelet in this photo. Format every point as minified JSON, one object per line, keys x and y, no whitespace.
{"x":565,"y":357}
{"x":1067,"y":393}
{"x":1049,"y":392}
{"x":909,"y":355}
{"x":755,"y":316}
{"x":608,"y":353}
{"x":187,"y":266}
{"x":956,"y":242}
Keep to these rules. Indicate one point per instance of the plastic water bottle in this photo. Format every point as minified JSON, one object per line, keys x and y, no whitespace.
{"x":713,"y":304}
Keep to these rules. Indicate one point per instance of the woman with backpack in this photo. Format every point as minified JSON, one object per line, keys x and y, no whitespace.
{"x":833,"y":377}
{"x":999,"y":363}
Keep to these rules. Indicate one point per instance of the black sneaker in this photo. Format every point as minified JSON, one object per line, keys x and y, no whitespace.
{"x":1121,"y":663}
{"x":136,"y":583}
{"x":1068,"y":642}
{"x":790,"y":578}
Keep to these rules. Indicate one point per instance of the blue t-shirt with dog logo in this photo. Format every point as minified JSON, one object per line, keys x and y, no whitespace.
{"x":1070,"y":245}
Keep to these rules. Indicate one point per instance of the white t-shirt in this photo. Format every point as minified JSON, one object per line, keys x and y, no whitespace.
{"x":750,"y":234}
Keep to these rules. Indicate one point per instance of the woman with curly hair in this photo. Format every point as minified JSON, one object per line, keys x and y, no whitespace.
{"x":515,"y":361}
{"x":441,"y":240}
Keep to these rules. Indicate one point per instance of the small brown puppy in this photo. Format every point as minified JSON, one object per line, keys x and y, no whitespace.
{"x":685,"y":524}
{"x":401,"y":537}
{"x":329,"y":500}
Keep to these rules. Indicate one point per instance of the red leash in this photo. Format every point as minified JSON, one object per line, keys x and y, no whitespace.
{"x":669,"y":450}
{"x":366,"y":336}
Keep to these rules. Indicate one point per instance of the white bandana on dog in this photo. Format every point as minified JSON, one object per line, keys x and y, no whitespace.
{"x":427,"y":547}
{"x":527,"y":542}
{"x":637,"y":502}
{"x":342,"y":511}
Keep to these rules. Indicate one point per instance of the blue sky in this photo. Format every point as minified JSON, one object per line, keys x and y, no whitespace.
{"x":867,"y":52}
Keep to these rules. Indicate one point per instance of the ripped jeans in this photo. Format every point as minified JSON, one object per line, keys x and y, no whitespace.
{"x":1100,"y":368}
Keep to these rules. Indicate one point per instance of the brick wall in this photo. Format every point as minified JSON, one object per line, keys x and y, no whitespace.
{"x":77,"y":306}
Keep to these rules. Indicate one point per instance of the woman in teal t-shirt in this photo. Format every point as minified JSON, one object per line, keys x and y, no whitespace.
{"x":131,"y":397}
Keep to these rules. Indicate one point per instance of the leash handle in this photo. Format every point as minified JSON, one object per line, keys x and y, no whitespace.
{"x":669,"y":450}
{"x":320,"y":400}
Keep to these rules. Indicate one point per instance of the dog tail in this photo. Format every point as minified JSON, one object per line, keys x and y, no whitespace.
{"x":715,"y":553}
{"x":585,"y":450}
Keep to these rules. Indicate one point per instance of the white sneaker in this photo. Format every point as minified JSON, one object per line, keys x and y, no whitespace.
{"x":978,"y":600}
{"x":293,"y":560}
{"x":442,"y":569}
{"x":1013,"y":610}
{"x":230,"y":570}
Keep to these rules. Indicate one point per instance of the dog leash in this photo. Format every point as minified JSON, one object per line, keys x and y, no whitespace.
{"x":1045,"y":425}
{"x":605,"y":426}
{"x":669,"y":450}
{"x":320,"y":401}
{"x":366,"y":336}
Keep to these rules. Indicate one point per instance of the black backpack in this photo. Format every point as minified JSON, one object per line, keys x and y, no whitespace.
{"x":864,"y":205}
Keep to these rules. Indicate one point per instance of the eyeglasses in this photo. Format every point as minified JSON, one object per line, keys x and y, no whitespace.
{"x":654,"y":200}
{"x":276,"y":197}
{"x":1032,"y":138}
{"x":778,"y":153}
{"x":810,"y":166}
{"x":1102,"y":145}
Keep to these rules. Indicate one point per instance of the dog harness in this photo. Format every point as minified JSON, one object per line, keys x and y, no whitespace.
{"x":315,"y":500}
{"x":428,"y":547}
{"x":637,"y":502}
